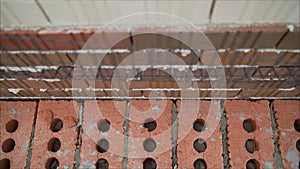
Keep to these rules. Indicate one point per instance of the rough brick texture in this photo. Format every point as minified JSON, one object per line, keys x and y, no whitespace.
{"x":211,"y":134}
{"x":20,"y":132}
{"x":114,"y":112}
{"x":140,"y":112}
{"x":259,"y":112}
{"x":48,"y":111}
{"x":95,"y":111}
{"x":287,"y":112}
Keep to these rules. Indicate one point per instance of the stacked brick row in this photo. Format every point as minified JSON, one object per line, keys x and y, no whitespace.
{"x":138,"y":134}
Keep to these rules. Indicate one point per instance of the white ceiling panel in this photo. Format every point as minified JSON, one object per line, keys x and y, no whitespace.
{"x":98,"y":12}
{"x":23,"y":13}
{"x":4,"y":20}
{"x":7,"y":18}
{"x":65,"y":12}
{"x":271,"y":11}
{"x":196,"y":12}
{"x":102,"y":12}
{"x":59,"y":12}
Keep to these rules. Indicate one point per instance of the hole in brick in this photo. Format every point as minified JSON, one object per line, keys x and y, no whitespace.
{"x":56,"y":125}
{"x":199,"y":145}
{"x":200,"y":164}
{"x":150,"y":124}
{"x":102,"y":145}
{"x":297,"y":125}
{"x":12,"y":125}
{"x":8,"y":145}
{"x":102,"y":164}
{"x":103,"y":125}
{"x":252,"y":164}
{"x":149,"y":163}
{"x":199,"y":125}
{"x":251,"y":145}
{"x":54,"y":144}
{"x":249,"y":125}
{"x":298,"y":145}
{"x":52,"y":163}
{"x":149,"y":145}
{"x":5,"y":163}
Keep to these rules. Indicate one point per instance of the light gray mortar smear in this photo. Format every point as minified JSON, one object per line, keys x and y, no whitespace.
{"x":277,"y":153}
{"x":174,"y":134}
{"x":126,"y":135}
{"x":31,"y":143}
{"x":224,"y":132}
{"x":79,"y":136}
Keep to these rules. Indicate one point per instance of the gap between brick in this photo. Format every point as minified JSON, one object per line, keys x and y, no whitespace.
{"x":277,"y":153}
{"x":79,"y":136}
{"x":224,"y":131}
{"x":126,"y":135}
{"x":31,"y":142}
{"x":174,"y":134}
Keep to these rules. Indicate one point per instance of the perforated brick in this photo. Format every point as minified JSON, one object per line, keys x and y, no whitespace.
{"x":48,"y":127}
{"x":16,"y":124}
{"x":261,"y":151}
{"x":103,"y":119}
{"x":288,"y":120}
{"x":142,"y":115}
{"x":212,"y":154}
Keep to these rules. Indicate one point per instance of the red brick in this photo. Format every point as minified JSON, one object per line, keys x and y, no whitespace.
{"x":113,"y":111}
{"x":56,"y":41}
{"x":237,"y":112}
{"x":161,"y":112}
{"x":290,"y":41}
{"x":23,"y":112}
{"x":287,"y":111}
{"x":67,"y":111}
{"x":187,"y":155}
{"x":19,"y":39}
